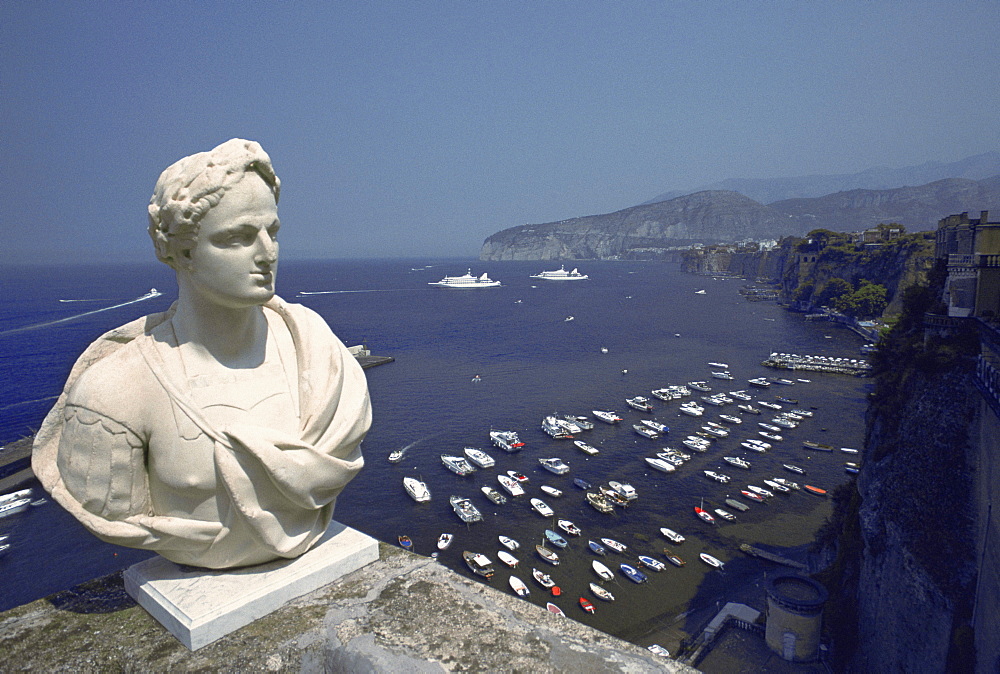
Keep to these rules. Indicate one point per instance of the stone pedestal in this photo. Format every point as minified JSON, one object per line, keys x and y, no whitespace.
{"x":199,"y":606}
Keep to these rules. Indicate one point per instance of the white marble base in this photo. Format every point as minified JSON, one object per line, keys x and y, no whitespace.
{"x":199,"y":606}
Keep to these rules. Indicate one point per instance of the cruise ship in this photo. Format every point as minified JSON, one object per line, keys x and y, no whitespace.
{"x":561,"y":275}
{"x":467,"y":280}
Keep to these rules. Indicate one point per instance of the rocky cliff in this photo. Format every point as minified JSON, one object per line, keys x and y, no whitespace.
{"x":659,"y":230}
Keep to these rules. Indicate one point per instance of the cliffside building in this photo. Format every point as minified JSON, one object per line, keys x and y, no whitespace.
{"x":971,"y":247}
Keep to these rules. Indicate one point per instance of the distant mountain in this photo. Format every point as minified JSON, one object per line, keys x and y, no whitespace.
{"x":768,"y":190}
{"x":656,"y":230}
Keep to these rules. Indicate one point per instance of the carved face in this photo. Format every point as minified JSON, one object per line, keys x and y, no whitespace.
{"x":235,"y":259}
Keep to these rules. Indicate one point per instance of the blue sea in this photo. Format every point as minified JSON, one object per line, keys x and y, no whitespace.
{"x":531,"y":361}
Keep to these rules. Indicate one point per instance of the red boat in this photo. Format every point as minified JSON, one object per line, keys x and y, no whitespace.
{"x":815,"y":490}
{"x":554,"y":609}
{"x":586,"y":605}
{"x":704,"y":514}
{"x":752,"y":496}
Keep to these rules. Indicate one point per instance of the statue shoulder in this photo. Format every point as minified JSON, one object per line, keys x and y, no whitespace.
{"x":119,"y":386}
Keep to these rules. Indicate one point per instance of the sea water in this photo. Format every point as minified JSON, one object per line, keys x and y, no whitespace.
{"x":472,"y":360}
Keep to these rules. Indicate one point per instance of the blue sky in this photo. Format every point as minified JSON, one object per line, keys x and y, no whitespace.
{"x":418,"y":128}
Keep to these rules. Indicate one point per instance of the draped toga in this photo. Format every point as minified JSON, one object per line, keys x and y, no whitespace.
{"x":275,"y":490}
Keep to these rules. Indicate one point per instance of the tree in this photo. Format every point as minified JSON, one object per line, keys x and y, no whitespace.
{"x":833,"y":289}
{"x":868,"y":301}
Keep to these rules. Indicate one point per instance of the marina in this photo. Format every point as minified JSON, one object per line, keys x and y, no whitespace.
{"x":857,"y":367}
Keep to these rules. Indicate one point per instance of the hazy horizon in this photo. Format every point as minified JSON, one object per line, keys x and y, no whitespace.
{"x":409,"y":130}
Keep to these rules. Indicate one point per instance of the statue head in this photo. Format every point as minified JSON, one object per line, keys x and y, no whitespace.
{"x":188,"y":188}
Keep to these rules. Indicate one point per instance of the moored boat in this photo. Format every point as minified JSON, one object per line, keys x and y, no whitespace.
{"x":718,"y":477}
{"x":596,"y":548}
{"x":691,"y":408}
{"x":520,"y":477}
{"x":585,"y":448}
{"x":777,"y":486}
{"x":699,"y":386}
{"x":603,"y":572}
{"x":551,"y":491}
{"x":548,"y":555}
{"x":793,"y":468}
{"x":655,"y":425}
{"x":457,"y":465}
{"x":633,"y":574}
{"x":749,"y":409}
{"x":607,"y":417}
{"x":541,"y":507}
{"x":544,"y":579}
{"x":725,"y":514}
{"x":569,"y":527}
{"x":554,"y":465}
{"x":752,"y":496}
{"x":479,"y":457}
{"x":759,"y":382}
{"x":506,"y":440}
{"x":405,"y":542}
{"x":711,"y":561}
{"x":672,"y":536}
{"x":494,"y":495}
{"x":704,"y":515}
{"x":444,"y":540}
{"x":815,"y":490}
{"x":614,"y":545}
{"x":818,"y":446}
{"x":478,"y":563}
{"x":660,"y":464}
{"x":516,"y":584}
{"x":555,"y":539}
{"x":650,"y":563}
{"x":737,"y":461}
{"x":600,"y":503}
{"x":640,"y":403}
{"x":508,"y":559}
{"x":509,"y":542}
{"x":672,"y":558}
{"x":733,"y":503}
{"x":625,"y":489}
{"x":586,"y":605}
{"x":601,"y":593}
{"x":512,"y":486}
{"x":465,"y":510}
{"x":552,"y":608}
{"x":554,"y":428}
{"x":417,"y":489}
{"x":581,"y":483}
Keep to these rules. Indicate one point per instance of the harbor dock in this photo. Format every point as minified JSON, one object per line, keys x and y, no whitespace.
{"x":771,"y":557}
{"x":858,"y":367}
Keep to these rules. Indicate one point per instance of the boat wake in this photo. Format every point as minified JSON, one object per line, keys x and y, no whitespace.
{"x":153,"y":292}
{"x":416,"y":442}
{"x":336,"y":292}
{"x":4,"y":408}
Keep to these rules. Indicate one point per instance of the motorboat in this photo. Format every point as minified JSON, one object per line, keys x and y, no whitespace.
{"x":554,"y":465}
{"x":730,"y":419}
{"x":717,"y":432}
{"x":793,"y":468}
{"x":770,"y":436}
{"x":457,"y":464}
{"x":723,"y":375}
{"x":660,"y":464}
{"x":760,"y":491}
{"x":676,"y":453}
{"x":601,"y":593}
{"x":737,"y":461}
{"x":672,"y":558}
{"x":718,"y":477}
{"x":405,"y":542}
{"x":645,"y":431}
{"x":466,"y":512}
{"x":672,"y":536}
{"x":581,"y":483}
{"x":583,"y":423}
{"x":603,"y":572}
{"x":770,"y":406}
{"x":541,"y":507}
{"x":670,"y":458}
{"x":815,"y":490}
{"x":516,"y":584}
{"x":741,"y":395}
{"x":397,"y":455}
{"x":655,"y":425}
{"x":614,"y":545}
{"x":852,"y":467}
{"x":561,"y":275}
{"x":569,"y":425}
{"x":551,"y":491}
{"x":600,"y":503}
{"x":466,"y":280}
{"x":650,"y":563}
{"x":444,"y":540}
{"x":417,"y":490}
{"x":633,"y":574}
{"x":777,"y":486}
{"x":787,"y":401}
{"x":569,"y":527}
{"x":478,"y":563}
{"x":479,"y":457}
{"x":555,"y":539}
{"x":721,"y":366}
{"x":586,"y":605}
{"x":640,"y":403}
{"x":625,"y":489}
{"x":607,"y":417}
{"x":768,"y":427}
{"x":520,"y":477}
{"x":596,"y":548}
{"x":494,"y":495}
{"x":691,"y":408}
{"x":710,"y":560}
{"x":508,"y":559}
{"x":713,"y":400}
{"x":759,"y":382}
{"x":784,"y":422}
{"x":782,"y":381}
{"x":509,"y":543}
{"x":787,"y":483}
{"x":695,"y":443}
{"x":818,"y":446}
{"x":756,"y":445}
{"x":724,"y":514}
{"x":585,"y":448}
{"x":506,"y":440}
{"x":548,"y":555}
{"x":704,"y":515}
{"x":544,"y":579}
{"x":802,"y":413}
{"x":749,"y":409}
{"x":699,"y":386}
{"x":551,"y":425}
{"x":733,"y":503}
{"x":613,"y":496}
{"x":512,"y":486}
{"x":752,"y":496}
{"x":552,"y":608}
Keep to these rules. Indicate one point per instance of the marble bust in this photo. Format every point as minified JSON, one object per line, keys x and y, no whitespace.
{"x":220,"y":432}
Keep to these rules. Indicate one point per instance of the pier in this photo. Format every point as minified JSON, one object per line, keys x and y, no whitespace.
{"x":858,"y":367}
{"x":771,"y":557}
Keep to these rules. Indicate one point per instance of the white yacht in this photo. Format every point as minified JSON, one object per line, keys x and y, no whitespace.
{"x":416,"y":489}
{"x":506,"y":440}
{"x":625,"y":489}
{"x":555,"y":465}
{"x":512,"y":486}
{"x":479,"y":457}
{"x":465,"y":510}
{"x":457,"y":464}
{"x":553,"y":427}
{"x":607,"y":417}
{"x":561,"y":275}
{"x":467,"y":280}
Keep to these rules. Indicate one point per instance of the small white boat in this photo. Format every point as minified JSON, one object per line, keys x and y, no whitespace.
{"x":726,"y":515}
{"x":466,"y":280}
{"x":509,"y":543}
{"x":625,"y":489}
{"x":640,"y":403}
{"x":721,"y":366}
{"x":749,"y":409}
{"x":607,"y":417}
{"x":466,"y":512}
{"x":692,"y":409}
{"x":457,"y":464}
{"x":397,"y":455}
{"x":549,"y":556}
{"x":718,"y":477}
{"x":569,"y":527}
{"x":602,"y":571}
{"x":544,"y":579}
{"x":512,"y":486}
{"x":760,"y":491}
{"x":650,"y":563}
{"x":554,"y":465}
{"x":542,"y":508}
{"x":614,"y":545}
{"x":723,"y":375}
{"x":711,"y":561}
{"x":601,"y":593}
{"x":479,"y":457}
{"x":493,"y":495}
{"x":551,"y":491}
{"x":417,"y":490}
{"x":516,"y":584}
{"x":552,"y":608}
{"x":507,"y":558}
{"x":737,"y":461}
{"x":728,"y":418}
{"x":657,"y":649}
{"x":585,"y":448}
{"x":660,"y":464}
{"x":444,"y":540}
{"x":655,"y":425}
{"x":672,"y":536}
{"x":645,"y":431}
{"x":848,"y":450}
{"x":793,"y":468}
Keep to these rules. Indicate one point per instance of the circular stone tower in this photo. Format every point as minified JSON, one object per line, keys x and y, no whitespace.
{"x":794,"y":617}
